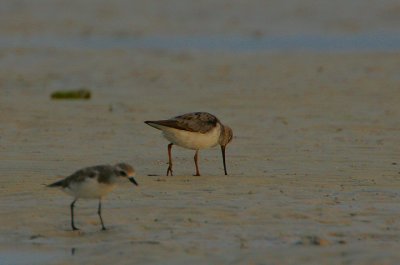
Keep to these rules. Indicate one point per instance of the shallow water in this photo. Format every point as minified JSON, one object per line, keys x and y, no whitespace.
{"x":312,"y":43}
{"x":29,"y":256}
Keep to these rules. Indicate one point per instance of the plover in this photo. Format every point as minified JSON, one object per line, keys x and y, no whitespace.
{"x":197,"y":130}
{"x":93,"y":183}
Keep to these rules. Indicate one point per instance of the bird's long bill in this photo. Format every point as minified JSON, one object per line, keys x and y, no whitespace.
{"x":223,"y":157}
{"x":131,"y":179}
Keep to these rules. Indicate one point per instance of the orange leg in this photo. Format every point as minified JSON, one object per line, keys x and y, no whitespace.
{"x":196,"y":157}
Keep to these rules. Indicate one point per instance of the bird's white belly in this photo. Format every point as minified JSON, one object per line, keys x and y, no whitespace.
{"x":89,"y":188}
{"x":192,"y":140}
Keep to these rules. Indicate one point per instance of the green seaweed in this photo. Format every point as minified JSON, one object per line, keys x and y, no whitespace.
{"x":72,"y":94}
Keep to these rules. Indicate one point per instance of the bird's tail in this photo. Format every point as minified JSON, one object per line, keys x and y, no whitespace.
{"x":152,"y":124}
{"x":159,"y":124}
{"x":56,"y":184}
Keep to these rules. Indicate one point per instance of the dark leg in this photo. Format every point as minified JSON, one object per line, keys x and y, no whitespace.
{"x":169,"y":170}
{"x":101,"y":219}
{"x":72,"y":215}
{"x":196,"y":157}
{"x":223,"y":158}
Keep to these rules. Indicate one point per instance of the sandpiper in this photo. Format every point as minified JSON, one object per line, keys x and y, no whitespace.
{"x":93,"y":183}
{"x":197,"y":130}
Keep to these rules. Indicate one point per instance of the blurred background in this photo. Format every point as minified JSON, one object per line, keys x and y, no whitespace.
{"x":206,"y":24}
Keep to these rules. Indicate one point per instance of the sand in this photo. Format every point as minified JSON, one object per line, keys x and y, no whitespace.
{"x":313,"y":166}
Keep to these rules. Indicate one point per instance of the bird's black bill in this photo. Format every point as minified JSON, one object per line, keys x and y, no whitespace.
{"x":131,"y":179}
{"x":223,"y":158}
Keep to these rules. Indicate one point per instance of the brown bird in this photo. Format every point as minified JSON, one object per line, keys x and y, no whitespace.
{"x":197,"y":130}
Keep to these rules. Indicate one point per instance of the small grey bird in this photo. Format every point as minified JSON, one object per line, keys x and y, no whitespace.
{"x":197,"y":130}
{"x":93,"y":183}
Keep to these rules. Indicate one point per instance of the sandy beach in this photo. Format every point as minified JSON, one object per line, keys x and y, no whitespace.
{"x":313,"y":167}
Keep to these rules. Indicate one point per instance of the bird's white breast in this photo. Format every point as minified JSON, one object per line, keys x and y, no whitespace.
{"x":192,"y":140}
{"x":89,"y":188}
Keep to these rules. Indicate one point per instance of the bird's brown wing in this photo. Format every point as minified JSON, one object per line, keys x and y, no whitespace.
{"x":201,"y":122}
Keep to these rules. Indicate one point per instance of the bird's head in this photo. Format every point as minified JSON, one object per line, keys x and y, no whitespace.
{"x":125,"y":170}
{"x":224,"y":139}
{"x":226,"y":135}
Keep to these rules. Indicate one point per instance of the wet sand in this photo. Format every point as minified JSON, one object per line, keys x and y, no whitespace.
{"x":313,"y":166}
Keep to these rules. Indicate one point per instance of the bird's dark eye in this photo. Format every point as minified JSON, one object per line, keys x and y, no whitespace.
{"x":123,"y":173}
